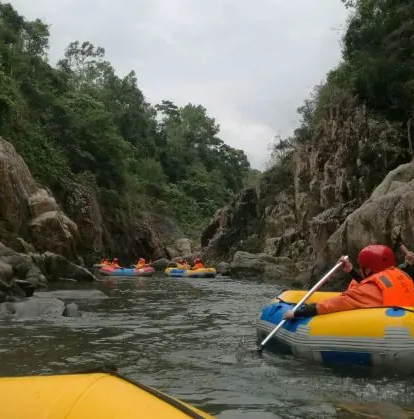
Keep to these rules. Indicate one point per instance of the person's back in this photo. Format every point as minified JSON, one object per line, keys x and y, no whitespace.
{"x":115,"y":263}
{"x":141,"y":263}
{"x":197,"y":264}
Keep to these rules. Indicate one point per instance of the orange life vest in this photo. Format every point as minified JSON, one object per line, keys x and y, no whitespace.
{"x":353,"y":284}
{"x":396,"y":286}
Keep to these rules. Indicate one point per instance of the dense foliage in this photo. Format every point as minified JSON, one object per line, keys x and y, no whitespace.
{"x":377,"y":69}
{"x":82,"y":122}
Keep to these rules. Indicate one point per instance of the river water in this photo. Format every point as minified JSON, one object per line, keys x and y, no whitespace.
{"x":193,"y":340}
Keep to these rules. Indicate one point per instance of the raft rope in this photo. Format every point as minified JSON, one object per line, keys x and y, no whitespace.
{"x":112,"y":370}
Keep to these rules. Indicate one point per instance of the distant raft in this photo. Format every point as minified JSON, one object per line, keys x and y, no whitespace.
{"x":374,"y":337}
{"x":88,"y":396}
{"x":110,"y":271}
{"x":191,"y":273}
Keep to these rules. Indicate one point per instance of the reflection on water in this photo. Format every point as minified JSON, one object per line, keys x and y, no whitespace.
{"x":192,"y":339}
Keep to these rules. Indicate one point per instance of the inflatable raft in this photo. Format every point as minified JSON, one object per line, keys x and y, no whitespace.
{"x":191,"y":273}
{"x":88,"y":396}
{"x":147,"y":271}
{"x":373,"y":337}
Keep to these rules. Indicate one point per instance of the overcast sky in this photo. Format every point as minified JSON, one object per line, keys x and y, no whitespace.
{"x":250,"y":63}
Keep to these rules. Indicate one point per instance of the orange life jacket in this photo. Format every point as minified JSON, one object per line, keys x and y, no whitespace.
{"x":353,"y":284}
{"x":198,"y":265}
{"x":396,"y":286}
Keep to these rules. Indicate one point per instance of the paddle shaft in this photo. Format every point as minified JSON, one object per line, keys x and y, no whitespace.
{"x":404,"y":249}
{"x":303,"y":300}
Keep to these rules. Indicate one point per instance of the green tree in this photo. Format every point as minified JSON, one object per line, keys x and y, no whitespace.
{"x":81,"y":122}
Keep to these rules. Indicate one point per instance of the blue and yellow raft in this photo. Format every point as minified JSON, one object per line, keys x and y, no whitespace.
{"x":191,"y":273}
{"x":373,"y":337}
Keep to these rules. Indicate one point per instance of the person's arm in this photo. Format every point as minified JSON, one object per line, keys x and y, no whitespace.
{"x":307,"y":310}
{"x":353,"y":274}
{"x":348,"y":268}
{"x":408,"y":265}
{"x":408,"y":269}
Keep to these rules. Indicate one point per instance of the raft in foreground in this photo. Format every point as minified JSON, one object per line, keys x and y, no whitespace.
{"x":88,"y":396}
{"x":374,"y":337}
{"x":147,"y":271}
{"x":191,"y":273}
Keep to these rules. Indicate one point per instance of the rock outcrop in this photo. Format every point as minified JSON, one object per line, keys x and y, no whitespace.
{"x":77,"y":221}
{"x":247,"y":265}
{"x":21,"y":274}
{"x":386,"y":217}
{"x":31,"y":212}
{"x":299,"y":212}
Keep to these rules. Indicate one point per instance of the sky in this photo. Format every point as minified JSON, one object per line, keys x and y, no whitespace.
{"x":249,"y":63}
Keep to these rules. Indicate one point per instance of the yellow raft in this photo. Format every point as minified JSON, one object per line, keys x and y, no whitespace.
{"x":380,"y":337}
{"x":88,"y":396}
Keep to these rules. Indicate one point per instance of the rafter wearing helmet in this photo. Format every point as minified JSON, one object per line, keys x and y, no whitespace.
{"x":379,"y":283}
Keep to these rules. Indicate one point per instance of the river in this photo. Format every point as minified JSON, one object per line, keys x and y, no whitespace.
{"x":193,"y":340}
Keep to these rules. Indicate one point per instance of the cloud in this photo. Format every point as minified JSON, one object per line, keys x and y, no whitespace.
{"x":250,"y":63}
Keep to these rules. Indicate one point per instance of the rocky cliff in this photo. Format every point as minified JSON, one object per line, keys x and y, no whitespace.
{"x":31,"y":219}
{"x":322,"y":206}
{"x":29,"y":213}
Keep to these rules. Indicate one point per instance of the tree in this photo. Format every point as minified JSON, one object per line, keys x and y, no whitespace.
{"x":82,"y":122}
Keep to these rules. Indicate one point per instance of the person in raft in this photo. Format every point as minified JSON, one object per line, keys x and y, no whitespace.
{"x":380,"y":284}
{"x":115,"y":263}
{"x":197,"y":264}
{"x":141,"y":264}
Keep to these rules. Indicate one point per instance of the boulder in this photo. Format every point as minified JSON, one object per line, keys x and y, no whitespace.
{"x":57,"y":266}
{"x":260,"y":265}
{"x":387,"y":217}
{"x":18,"y":272}
{"x":171,"y":252}
{"x":28,"y":212}
{"x":160,"y":264}
{"x":38,"y":308}
{"x":183,"y":247}
{"x":224,"y":268}
{"x":67,"y":295}
{"x":53,"y":230}
{"x":6,"y":272}
{"x":41,"y":202}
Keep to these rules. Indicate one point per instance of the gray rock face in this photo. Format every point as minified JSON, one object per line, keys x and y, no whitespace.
{"x":263,"y":266}
{"x":224,"y":268}
{"x":322,"y":202}
{"x":160,"y":264}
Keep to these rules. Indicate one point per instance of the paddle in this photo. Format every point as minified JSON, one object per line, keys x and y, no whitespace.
{"x":404,"y":249}
{"x":300,"y":303}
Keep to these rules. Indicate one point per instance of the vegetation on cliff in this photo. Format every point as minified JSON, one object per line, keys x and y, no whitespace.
{"x":81,"y":123}
{"x":377,"y":72}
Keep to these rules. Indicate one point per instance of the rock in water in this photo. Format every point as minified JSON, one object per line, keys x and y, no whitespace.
{"x":71,"y":310}
{"x":34,"y":308}
{"x":45,"y":308}
{"x":73,"y":294}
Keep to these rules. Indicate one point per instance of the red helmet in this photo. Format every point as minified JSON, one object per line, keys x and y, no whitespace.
{"x":376,"y":257}
{"x":197,"y":260}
